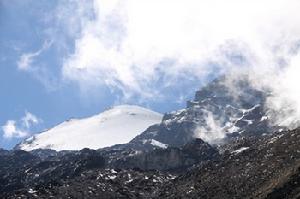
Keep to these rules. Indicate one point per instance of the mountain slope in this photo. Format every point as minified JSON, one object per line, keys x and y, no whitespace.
{"x":224,"y":109}
{"x":114,"y":126}
{"x":252,"y":167}
{"x":265,"y":167}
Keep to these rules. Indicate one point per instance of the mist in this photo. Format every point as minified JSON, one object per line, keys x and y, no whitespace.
{"x":143,"y":48}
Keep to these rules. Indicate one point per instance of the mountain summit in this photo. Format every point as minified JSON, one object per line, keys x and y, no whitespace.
{"x":225,"y":108}
{"x":117,"y":125}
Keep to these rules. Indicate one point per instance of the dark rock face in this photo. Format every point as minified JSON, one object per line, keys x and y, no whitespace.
{"x":289,"y":188}
{"x":170,"y":159}
{"x":259,"y":168}
{"x":12,"y":164}
{"x":20,"y":170}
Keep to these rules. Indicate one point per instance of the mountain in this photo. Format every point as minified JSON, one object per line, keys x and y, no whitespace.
{"x":224,"y":109}
{"x":117,"y":125}
{"x":222,"y":145}
{"x":221,"y":110}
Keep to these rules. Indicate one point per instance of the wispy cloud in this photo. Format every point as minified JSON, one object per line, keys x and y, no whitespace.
{"x":146,"y":48}
{"x":40,"y":69}
{"x":21,"y":128}
{"x":26,"y":60}
{"x":143,"y":47}
{"x":29,"y":119}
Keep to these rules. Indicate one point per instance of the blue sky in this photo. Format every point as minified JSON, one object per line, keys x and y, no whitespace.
{"x":22,"y":31}
{"x":61,"y":59}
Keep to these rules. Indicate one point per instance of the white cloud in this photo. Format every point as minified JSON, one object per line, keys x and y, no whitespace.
{"x":21,"y":128}
{"x":284,"y":103}
{"x":12,"y":131}
{"x":123,"y":45}
{"x":212,"y":131}
{"x":40,"y":68}
{"x":142,"y":47}
{"x":26,"y":60}
{"x":29,"y":119}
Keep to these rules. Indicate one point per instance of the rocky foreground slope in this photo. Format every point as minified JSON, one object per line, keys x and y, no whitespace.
{"x":248,"y":167}
{"x":267,"y":167}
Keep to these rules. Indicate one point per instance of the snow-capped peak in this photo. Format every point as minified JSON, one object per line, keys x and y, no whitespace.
{"x":117,"y":125}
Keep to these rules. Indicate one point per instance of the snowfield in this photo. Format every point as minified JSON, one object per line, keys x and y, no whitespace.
{"x":117,"y":125}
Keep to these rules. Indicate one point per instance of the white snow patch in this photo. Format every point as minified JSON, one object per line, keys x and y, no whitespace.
{"x":240,"y":150}
{"x":233,"y":129}
{"x":250,"y":109}
{"x":31,"y":191}
{"x":113,"y":171}
{"x":264,"y":118}
{"x":112,"y":177}
{"x":249,"y":121}
{"x":155,"y":143}
{"x":159,"y":144}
